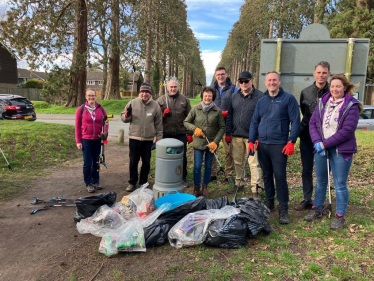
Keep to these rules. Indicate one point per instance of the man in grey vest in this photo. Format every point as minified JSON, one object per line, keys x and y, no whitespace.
{"x":224,"y":89}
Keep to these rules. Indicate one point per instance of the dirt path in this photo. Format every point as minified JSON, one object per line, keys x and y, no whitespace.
{"x":32,"y":245}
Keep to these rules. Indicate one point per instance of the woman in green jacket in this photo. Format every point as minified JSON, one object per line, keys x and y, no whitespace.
{"x":207,"y":123}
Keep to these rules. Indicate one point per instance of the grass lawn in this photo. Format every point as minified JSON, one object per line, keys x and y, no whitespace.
{"x":298,"y":251}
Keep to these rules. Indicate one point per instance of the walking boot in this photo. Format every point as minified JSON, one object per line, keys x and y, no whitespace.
{"x":270,"y":205}
{"x":283,"y":216}
{"x":197,"y":192}
{"x":205,"y":190}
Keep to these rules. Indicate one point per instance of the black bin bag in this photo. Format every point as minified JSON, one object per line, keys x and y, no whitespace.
{"x":230,"y":233}
{"x":87,"y":206}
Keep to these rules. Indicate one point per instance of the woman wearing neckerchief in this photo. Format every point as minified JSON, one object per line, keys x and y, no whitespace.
{"x":205,"y":120}
{"x":332,"y":129}
{"x":88,"y":134}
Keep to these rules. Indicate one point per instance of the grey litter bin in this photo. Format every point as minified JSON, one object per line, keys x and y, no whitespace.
{"x":169,"y":167}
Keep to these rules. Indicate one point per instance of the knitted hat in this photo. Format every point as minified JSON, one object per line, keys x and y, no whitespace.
{"x":146,"y":87}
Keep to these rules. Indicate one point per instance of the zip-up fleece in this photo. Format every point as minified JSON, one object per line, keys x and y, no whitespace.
{"x":240,"y":113}
{"x":272,"y":118}
{"x":222,"y":101}
{"x":211,"y":122}
{"x":145,"y":121}
{"x":344,"y":138}
{"x":179,"y":107}
{"x":85,"y":127}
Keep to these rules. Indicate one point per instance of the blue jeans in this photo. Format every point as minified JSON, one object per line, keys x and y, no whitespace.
{"x":198,"y":161}
{"x":91,"y":152}
{"x":340,"y":170}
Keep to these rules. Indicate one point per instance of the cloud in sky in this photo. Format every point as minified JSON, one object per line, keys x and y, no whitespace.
{"x":205,"y":36}
{"x":211,"y":59}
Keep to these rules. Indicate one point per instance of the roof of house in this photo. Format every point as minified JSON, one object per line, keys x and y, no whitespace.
{"x":25,"y":73}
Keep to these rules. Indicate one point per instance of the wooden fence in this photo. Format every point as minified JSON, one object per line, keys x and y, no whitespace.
{"x":31,"y":94}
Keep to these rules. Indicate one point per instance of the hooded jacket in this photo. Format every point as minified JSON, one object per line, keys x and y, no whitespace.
{"x":223,"y":101}
{"x":86,"y":127}
{"x":240,"y":113}
{"x":344,"y":138}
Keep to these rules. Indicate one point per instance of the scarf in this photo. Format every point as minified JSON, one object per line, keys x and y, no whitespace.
{"x":206,"y":108}
{"x":91,"y":110}
{"x":333,"y":104}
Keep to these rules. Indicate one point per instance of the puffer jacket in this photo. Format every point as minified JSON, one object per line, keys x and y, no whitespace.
{"x":145,"y":121}
{"x":344,"y":138}
{"x":223,"y":101}
{"x":308,"y":101}
{"x":240,"y":112}
{"x":179,"y":107}
{"x":87,"y":128}
{"x":212,"y":123}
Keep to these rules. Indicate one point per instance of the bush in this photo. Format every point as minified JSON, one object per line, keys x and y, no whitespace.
{"x":34,"y":83}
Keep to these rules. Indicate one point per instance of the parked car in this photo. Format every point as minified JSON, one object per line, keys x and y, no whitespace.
{"x":366,"y":121}
{"x":16,"y":107}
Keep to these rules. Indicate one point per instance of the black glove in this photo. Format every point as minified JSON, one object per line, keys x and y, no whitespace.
{"x":128,"y":111}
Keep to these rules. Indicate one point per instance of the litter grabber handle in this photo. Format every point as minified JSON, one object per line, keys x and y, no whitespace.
{"x":174,"y":192}
{"x":207,"y":140}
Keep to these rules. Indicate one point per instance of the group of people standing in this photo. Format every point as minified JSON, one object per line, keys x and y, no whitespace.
{"x":260,"y":127}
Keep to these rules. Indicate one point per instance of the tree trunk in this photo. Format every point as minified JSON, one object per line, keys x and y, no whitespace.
{"x":148,"y":60}
{"x":190,"y":90}
{"x":161,"y":89}
{"x":78,"y":72}
{"x":271,"y":25}
{"x":319,"y":11}
{"x":280,"y":26}
{"x":112,"y":88}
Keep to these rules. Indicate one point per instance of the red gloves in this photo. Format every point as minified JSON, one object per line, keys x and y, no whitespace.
{"x":156,"y":140}
{"x":288,"y":149}
{"x":224,"y":113}
{"x":251,"y":147}
{"x":228,"y":139}
{"x":166,"y":112}
{"x":189,"y":138}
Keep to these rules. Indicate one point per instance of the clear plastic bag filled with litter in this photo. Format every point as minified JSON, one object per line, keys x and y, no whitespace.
{"x":141,"y":201}
{"x":192,"y":229}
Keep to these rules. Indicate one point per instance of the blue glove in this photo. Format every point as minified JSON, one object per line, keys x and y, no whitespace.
{"x":318,"y":147}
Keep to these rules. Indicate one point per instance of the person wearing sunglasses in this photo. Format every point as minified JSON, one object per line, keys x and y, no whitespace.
{"x":276,"y":126}
{"x":241,"y":108}
{"x":224,"y":89}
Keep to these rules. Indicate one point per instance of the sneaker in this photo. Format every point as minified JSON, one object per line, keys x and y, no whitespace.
{"x":97,"y":186}
{"x":270,"y":205}
{"x":213,"y":178}
{"x":185,"y":183}
{"x":314,"y":214}
{"x":233,"y":189}
{"x":303,"y":205}
{"x":230,"y":180}
{"x":338,"y":222}
{"x":90,"y":188}
{"x":283,"y":216}
{"x":256,"y":196}
{"x":130,"y":187}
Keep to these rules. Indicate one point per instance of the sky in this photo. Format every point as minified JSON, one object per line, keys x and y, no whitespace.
{"x":211,"y":21}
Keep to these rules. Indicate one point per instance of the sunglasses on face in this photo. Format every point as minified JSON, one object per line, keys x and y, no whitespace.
{"x":243,"y":81}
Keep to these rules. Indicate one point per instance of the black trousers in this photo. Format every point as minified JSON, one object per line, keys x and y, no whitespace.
{"x":307,"y":158}
{"x":273,"y":164}
{"x":139,"y":149}
{"x":182,"y":138}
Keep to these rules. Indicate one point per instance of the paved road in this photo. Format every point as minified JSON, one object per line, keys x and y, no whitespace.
{"x":114,"y":125}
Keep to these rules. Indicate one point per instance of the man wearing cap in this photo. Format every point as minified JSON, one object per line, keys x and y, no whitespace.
{"x":145,"y":118}
{"x":224,"y":89}
{"x":175,"y":108}
{"x":241,"y":108}
{"x":275,"y":125}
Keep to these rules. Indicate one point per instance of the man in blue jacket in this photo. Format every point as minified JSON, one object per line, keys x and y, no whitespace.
{"x":276,"y":138}
{"x":224,"y":89}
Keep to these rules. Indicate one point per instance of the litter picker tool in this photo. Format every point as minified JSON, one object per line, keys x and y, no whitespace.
{"x":6,"y":160}
{"x":133,"y":81}
{"x":166,"y":93}
{"x":58,"y":200}
{"x":234,"y":201}
{"x":47,"y":207}
{"x":328,"y":209}
{"x":103,"y":136}
{"x":221,"y":170}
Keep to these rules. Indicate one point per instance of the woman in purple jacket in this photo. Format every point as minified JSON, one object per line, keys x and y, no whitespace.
{"x":332,"y":129}
{"x":88,"y":134}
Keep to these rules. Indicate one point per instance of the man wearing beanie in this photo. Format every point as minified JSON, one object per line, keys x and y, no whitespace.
{"x":174,"y":110}
{"x":145,"y":118}
{"x":240,"y":111}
